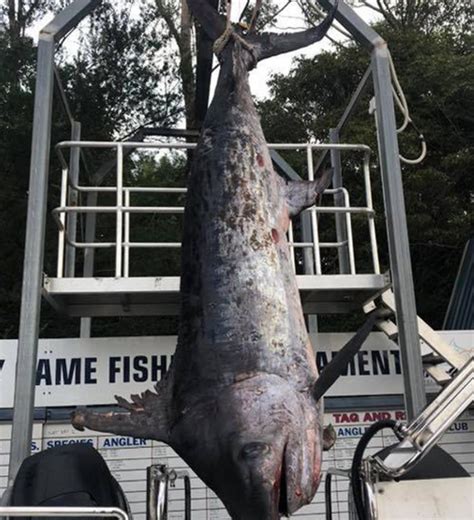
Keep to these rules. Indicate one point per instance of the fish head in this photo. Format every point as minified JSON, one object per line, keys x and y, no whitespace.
{"x":258,"y":447}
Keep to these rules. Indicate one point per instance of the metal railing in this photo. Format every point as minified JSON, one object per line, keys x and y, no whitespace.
{"x":123,"y":208}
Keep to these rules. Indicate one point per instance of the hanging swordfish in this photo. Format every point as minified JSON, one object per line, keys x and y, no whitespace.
{"x":241,"y":402}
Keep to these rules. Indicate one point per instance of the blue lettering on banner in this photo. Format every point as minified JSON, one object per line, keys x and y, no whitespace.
{"x":140,"y":368}
{"x":363,"y":362}
{"x":380,"y":362}
{"x":61,"y":442}
{"x":351,"y":431}
{"x":65,"y":375}
{"x":113,"y":368}
{"x":43,"y":372}
{"x":63,"y":371}
{"x":89,"y":371}
{"x":459,"y":427}
{"x":115,"y":442}
{"x":124,"y":369}
{"x":2,"y":362}
{"x":366,"y":363}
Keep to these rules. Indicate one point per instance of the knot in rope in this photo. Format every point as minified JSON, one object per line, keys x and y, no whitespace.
{"x":221,"y":42}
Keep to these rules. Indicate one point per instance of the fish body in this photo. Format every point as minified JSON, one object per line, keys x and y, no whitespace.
{"x":244,"y":359}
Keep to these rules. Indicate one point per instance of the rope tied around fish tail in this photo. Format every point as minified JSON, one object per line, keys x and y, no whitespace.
{"x":229,"y":32}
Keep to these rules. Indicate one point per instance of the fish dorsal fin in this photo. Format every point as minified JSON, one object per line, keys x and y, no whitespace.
{"x":338,"y":364}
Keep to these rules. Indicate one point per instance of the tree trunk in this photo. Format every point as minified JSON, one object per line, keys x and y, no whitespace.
{"x":186,"y":69}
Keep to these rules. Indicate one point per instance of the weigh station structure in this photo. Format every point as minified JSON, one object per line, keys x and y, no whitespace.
{"x":77,"y":290}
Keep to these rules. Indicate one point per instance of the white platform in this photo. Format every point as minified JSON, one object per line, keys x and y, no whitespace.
{"x":143,"y":296}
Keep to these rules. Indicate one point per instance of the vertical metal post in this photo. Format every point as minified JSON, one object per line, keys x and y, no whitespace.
{"x":62,"y":220}
{"x":126,"y":249}
{"x":314,"y":217}
{"x":409,"y":341}
{"x":292,"y":248}
{"x":371,"y":217}
{"x":119,"y":220}
{"x":33,"y":263}
{"x":89,"y":256}
{"x":348,"y":225}
{"x":308,"y":261}
{"x":74,"y":165}
{"x":341,"y":229}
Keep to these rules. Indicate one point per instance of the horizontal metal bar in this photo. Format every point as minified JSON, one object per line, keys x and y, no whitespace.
{"x":333,"y":191}
{"x":180,"y":209}
{"x":112,"y":189}
{"x":184,"y":146}
{"x":163,"y":245}
{"x":156,"y":190}
{"x":321,"y":244}
{"x":331,"y":209}
{"x":92,"y":245}
{"x":172,"y":245}
{"x":64,"y":511}
{"x":114,"y":209}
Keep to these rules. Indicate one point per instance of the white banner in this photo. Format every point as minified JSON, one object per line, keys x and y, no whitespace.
{"x":91,"y":371}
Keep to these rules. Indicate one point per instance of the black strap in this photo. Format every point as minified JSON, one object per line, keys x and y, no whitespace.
{"x":338,"y":364}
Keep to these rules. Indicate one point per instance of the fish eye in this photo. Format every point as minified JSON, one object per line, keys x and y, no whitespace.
{"x":254,"y":449}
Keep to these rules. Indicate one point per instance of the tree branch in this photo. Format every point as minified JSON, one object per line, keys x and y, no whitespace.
{"x":370,"y":6}
{"x":167,"y":16}
{"x":255,"y":15}
{"x":272,"y":44}
{"x":385,"y":10}
{"x":208,"y":17}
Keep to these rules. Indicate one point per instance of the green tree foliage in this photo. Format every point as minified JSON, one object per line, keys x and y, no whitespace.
{"x":15,"y":131}
{"x":122,"y":77}
{"x":119,"y":78}
{"x":424,"y":15}
{"x":435,"y":69}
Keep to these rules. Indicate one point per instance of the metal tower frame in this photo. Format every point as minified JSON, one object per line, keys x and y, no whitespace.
{"x":400,"y":262}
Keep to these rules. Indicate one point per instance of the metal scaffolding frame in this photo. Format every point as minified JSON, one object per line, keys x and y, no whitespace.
{"x":394,"y":201}
{"x":23,"y":406}
{"x":61,"y":25}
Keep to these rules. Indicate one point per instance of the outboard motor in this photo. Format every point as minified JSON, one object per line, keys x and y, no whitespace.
{"x":71,"y":475}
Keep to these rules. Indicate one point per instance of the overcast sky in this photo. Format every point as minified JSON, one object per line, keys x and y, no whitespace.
{"x":291,"y":19}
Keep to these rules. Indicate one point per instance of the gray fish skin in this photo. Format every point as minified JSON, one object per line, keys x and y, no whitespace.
{"x":244,"y":359}
{"x":237,"y":403}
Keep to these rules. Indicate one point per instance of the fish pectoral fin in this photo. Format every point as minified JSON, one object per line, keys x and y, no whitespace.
{"x":329,"y":437}
{"x":303,"y":194}
{"x":339,"y":362}
{"x":146,"y":417}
